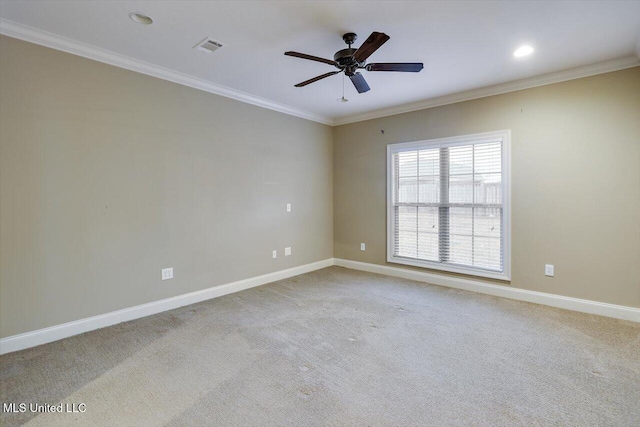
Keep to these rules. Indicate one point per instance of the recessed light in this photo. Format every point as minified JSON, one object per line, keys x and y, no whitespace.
{"x":140,"y":18}
{"x":523,"y":51}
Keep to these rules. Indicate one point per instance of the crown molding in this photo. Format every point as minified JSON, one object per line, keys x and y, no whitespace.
{"x":542,"y":80}
{"x":54,"y":41}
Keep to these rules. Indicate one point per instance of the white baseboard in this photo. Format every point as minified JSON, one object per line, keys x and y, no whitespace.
{"x":54,"y":333}
{"x":568,"y":303}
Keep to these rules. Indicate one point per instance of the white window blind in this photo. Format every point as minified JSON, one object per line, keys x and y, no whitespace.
{"x":448,"y":204}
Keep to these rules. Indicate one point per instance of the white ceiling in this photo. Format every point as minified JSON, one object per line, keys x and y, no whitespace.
{"x":464,"y":44}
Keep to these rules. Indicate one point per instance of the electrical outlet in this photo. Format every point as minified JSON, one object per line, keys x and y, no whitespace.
{"x":287,"y":251}
{"x":167,"y":273}
{"x":275,"y":254}
{"x":288,"y":207}
{"x":363,"y":247}
{"x":548,"y":270}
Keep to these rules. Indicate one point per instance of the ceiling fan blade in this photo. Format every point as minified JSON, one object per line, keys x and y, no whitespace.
{"x":311,"y":57}
{"x":370,"y":45}
{"x":408,"y":67}
{"x":315,"y":79}
{"x":360,"y":83}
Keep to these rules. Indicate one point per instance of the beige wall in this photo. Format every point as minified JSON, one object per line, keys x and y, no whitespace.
{"x":575,"y":181}
{"x":107,"y":176}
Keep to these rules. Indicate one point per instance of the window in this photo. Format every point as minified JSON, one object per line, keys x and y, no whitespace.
{"x":448,"y":204}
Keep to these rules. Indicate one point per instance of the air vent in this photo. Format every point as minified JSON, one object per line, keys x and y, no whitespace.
{"x":208,"y":45}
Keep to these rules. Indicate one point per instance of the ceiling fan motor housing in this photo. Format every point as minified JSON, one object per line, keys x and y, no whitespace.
{"x":345,"y":59}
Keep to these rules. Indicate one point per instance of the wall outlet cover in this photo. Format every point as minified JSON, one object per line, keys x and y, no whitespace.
{"x":288,"y":207}
{"x":287,"y":251}
{"x":363,"y":247}
{"x":167,"y":273}
{"x":275,"y":254}
{"x":548,"y":270}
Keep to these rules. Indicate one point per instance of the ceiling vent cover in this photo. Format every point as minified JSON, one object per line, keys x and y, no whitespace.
{"x":208,"y":45}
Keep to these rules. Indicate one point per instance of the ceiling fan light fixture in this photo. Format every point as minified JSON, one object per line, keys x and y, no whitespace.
{"x":140,"y":18}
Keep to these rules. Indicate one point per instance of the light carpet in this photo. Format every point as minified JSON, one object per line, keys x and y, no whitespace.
{"x":339,"y":347}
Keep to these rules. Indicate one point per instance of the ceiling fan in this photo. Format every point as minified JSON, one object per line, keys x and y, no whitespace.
{"x":350,"y":60}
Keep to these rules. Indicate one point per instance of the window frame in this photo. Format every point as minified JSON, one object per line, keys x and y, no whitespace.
{"x":478,"y":138}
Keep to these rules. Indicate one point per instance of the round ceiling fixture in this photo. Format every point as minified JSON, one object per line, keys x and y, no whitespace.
{"x":523,"y":51}
{"x":140,"y":18}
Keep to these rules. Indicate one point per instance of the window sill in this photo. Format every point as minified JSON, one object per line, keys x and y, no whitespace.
{"x":499,"y":275}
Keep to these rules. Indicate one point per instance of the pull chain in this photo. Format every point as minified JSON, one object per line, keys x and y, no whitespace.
{"x":343,"y":99}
